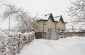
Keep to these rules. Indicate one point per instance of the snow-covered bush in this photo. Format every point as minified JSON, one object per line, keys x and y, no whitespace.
{"x":12,"y":42}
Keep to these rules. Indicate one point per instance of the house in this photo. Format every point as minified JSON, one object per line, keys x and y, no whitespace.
{"x":50,"y":25}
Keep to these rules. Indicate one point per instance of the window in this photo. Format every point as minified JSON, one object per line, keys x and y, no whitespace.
{"x":49,"y":29}
{"x":62,"y":30}
{"x":58,"y":29}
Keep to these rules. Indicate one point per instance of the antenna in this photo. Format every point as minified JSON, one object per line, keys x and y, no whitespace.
{"x":47,"y":14}
{"x":58,"y":16}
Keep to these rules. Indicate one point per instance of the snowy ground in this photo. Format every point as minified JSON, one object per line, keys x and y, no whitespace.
{"x":65,"y":46}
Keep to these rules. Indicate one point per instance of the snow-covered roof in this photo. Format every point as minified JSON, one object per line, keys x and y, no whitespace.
{"x":57,"y":19}
{"x":43,"y":17}
{"x":46,"y":17}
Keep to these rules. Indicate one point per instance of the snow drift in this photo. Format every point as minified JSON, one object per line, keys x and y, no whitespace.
{"x":65,"y":46}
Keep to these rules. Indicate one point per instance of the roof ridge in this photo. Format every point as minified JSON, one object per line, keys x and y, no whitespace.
{"x":51,"y":16}
{"x":61,"y":18}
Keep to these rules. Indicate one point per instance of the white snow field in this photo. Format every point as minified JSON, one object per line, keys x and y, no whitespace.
{"x":65,"y":46}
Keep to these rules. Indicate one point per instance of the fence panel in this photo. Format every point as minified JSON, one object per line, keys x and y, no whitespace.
{"x":54,"y":35}
{"x":51,"y":35}
{"x":48,"y":35}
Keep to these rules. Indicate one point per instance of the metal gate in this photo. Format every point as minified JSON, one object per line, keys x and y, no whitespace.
{"x":51,"y":35}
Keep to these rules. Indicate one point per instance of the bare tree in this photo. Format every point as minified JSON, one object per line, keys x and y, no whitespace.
{"x":22,"y":17}
{"x":77,"y":10}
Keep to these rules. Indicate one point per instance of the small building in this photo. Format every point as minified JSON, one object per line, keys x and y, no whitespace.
{"x":50,"y":25}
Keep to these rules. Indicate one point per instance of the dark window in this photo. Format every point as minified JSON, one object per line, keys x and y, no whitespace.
{"x":62,"y":30}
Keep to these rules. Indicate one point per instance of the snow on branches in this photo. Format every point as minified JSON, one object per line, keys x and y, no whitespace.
{"x":12,"y":43}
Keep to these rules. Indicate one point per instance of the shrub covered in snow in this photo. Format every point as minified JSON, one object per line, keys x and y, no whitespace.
{"x":12,"y":42}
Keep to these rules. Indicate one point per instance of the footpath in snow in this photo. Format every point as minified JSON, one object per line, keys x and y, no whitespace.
{"x":65,"y":46}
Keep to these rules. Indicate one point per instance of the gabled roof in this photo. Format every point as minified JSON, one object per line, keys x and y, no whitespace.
{"x":61,"y":19}
{"x":50,"y":16}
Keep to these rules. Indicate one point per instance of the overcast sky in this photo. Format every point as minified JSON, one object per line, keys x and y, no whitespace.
{"x":42,"y":7}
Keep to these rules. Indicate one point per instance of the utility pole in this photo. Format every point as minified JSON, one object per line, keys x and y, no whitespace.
{"x":9,"y":22}
{"x":72,"y":28}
